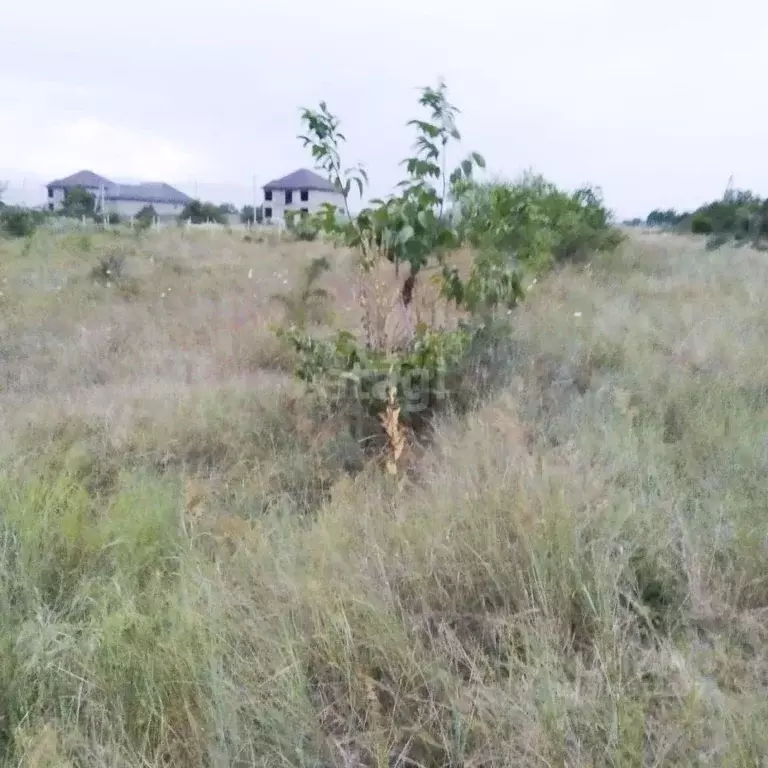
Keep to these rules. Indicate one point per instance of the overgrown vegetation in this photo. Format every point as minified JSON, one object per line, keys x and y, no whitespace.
{"x":199,"y":567}
{"x":517,"y":231}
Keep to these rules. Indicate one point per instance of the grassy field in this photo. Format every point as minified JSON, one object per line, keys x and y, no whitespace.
{"x":199,"y":568}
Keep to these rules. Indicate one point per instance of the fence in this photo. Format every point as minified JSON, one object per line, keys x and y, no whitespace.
{"x":66,"y":224}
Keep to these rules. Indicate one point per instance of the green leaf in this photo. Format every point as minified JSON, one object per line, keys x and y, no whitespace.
{"x":425,"y":127}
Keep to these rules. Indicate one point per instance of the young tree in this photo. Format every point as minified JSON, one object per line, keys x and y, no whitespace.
{"x":78,"y":202}
{"x":199,"y":212}
{"x":249,"y":215}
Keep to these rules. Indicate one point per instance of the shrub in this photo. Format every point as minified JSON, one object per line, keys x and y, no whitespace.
{"x":701,"y":224}
{"x":145,"y":218}
{"x":534,"y":221}
{"x":739,"y":215}
{"x":18,"y":222}
{"x":251,"y":215}
{"x":661,"y":218}
{"x":302,"y":227}
{"x":110,"y":266}
{"x":199,"y":212}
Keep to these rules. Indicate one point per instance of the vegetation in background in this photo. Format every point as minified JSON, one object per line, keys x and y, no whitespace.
{"x":16,"y":221}
{"x":78,"y":203}
{"x":249,"y":215}
{"x":145,"y":217}
{"x":198,"y":212}
{"x":665,"y":218}
{"x":740,"y":216}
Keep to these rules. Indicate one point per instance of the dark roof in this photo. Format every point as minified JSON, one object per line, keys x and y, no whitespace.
{"x":301,"y":179}
{"x":147,"y":192}
{"x":80,"y":179}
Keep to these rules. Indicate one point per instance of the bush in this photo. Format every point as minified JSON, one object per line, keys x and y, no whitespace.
{"x":302,"y":227}
{"x":535,"y":222}
{"x":145,"y":217}
{"x":701,"y":224}
{"x":661,"y":218}
{"x":19,"y":222}
{"x":110,"y":266}
{"x":199,"y":212}
{"x":739,"y":215}
{"x":251,"y":215}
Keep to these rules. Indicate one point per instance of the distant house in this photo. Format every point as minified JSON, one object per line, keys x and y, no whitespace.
{"x":301,"y":191}
{"x":126,"y":200}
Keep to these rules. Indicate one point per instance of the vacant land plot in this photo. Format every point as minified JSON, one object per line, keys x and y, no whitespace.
{"x":199,"y":567}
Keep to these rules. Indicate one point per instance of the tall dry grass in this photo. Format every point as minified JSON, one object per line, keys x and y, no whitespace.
{"x":197,"y":569}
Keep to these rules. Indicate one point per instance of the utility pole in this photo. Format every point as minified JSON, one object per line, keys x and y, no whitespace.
{"x":728,"y":196}
{"x":254,"y":200}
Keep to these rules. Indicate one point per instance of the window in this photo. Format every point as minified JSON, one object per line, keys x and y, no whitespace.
{"x":304,"y":195}
{"x":50,"y":206}
{"x":304,"y":211}
{"x":288,"y":196}
{"x":267,"y":213}
{"x":268,"y":195}
{"x":50,"y":192}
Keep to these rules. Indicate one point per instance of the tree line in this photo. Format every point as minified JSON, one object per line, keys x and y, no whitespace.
{"x":739,"y":214}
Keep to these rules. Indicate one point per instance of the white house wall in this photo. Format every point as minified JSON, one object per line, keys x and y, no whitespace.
{"x":317,"y":199}
{"x":125,"y":209}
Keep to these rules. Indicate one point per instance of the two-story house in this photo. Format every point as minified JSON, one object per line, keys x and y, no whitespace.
{"x":302,"y":191}
{"x":126,"y":200}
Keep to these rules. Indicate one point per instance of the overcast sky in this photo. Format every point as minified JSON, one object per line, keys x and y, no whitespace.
{"x":656,"y":102}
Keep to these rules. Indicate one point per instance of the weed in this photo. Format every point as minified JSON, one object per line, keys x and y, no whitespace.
{"x":307,"y":304}
{"x":110,"y":266}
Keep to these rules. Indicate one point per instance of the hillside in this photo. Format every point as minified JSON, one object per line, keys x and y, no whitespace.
{"x":198,"y":568}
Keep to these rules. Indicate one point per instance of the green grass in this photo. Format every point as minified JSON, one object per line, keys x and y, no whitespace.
{"x":194,"y":571}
